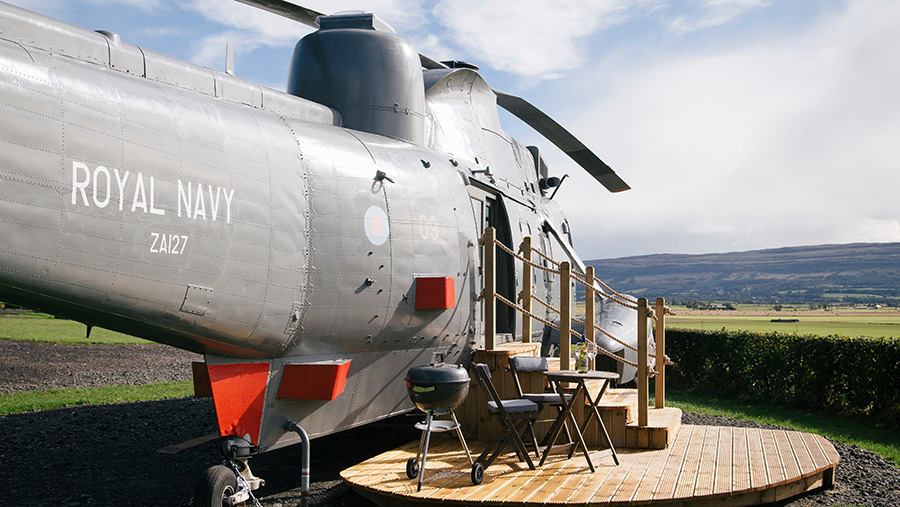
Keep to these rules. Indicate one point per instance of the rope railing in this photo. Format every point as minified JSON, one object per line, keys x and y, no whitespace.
{"x":578,"y":278}
{"x":527,"y":261}
{"x":607,"y":334}
{"x":645,"y":313}
{"x":612,"y":295}
{"x":625,"y":298}
{"x":543,"y":256}
{"x":545,"y":304}
{"x":572,"y":332}
{"x":524,"y":312}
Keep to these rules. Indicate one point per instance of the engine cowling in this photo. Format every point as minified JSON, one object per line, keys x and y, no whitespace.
{"x":355,"y":64}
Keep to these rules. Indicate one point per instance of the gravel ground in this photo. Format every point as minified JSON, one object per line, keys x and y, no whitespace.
{"x":106,"y":455}
{"x":30,"y":366}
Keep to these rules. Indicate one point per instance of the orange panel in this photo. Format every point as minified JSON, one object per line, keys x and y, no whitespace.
{"x":435,"y":293}
{"x":239,"y":392}
{"x":321,"y":381}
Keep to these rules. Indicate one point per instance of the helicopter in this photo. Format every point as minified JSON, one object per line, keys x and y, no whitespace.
{"x":312,"y":244}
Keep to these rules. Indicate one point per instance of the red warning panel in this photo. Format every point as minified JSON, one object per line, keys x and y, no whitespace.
{"x":435,"y":293}
{"x":316,"y":381}
{"x":239,"y":392}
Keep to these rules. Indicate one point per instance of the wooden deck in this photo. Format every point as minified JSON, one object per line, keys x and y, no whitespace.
{"x":705,"y":465}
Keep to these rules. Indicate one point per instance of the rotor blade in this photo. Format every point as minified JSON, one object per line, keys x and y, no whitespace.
{"x":428,"y":63}
{"x":287,"y":10}
{"x":556,"y":134}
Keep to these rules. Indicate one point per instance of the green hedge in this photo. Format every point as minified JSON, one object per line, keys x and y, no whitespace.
{"x":842,"y":374}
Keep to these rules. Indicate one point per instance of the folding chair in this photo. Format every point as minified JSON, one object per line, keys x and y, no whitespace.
{"x":539,"y":365}
{"x":514,"y":416}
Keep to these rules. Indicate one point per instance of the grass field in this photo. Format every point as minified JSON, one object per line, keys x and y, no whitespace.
{"x":45,"y":328}
{"x":55,"y":398}
{"x":873,"y":323}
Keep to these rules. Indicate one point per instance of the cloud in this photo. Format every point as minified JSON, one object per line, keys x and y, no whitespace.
{"x":530,"y":38}
{"x":49,"y":7}
{"x":266,"y":28}
{"x":713,"y":13}
{"x":44,"y":6}
{"x":876,"y":230}
{"x":543,"y":40}
{"x":784,"y":141}
{"x":145,"y":5}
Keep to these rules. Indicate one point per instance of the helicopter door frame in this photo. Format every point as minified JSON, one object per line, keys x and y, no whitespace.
{"x":489,"y":210}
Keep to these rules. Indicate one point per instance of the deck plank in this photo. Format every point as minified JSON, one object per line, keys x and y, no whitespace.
{"x":607,"y":491}
{"x":740,"y":460}
{"x":567,"y":484}
{"x":674,"y":463}
{"x":650,"y":480}
{"x":804,"y":459}
{"x":774,"y":465}
{"x":635,"y":477}
{"x":787,"y":453}
{"x":815,"y":451}
{"x":724,"y":481}
{"x":757,"y":462}
{"x":706,"y":473}
{"x":591,"y":482}
{"x":687,"y":479}
{"x":541,"y":481}
{"x":814,"y":444}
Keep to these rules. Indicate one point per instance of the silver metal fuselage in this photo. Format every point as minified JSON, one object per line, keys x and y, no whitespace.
{"x":148,"y":195}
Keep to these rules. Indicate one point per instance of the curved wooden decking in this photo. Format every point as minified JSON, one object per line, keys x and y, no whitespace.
{"x":704,"y":465}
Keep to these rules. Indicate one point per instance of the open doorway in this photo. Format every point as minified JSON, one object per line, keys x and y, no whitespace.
{"x":489,"y":211}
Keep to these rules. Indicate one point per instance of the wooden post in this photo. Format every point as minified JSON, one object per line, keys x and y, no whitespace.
{"x":490,"y":288}
{"x":526,"y":289}
{"x":565,"y":316}
{"x":643,"y":385}
{"x":660,"y":353}
{"x":589,"y":309}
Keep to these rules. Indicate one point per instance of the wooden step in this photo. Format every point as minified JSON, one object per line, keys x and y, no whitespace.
{"x":618,"y":409}
{"x":663,"y":425}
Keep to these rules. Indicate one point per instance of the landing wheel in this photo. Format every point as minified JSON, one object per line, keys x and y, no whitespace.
{"x":412,"y":468}
{"x":477,"y":473}
{"x":216,"y":484}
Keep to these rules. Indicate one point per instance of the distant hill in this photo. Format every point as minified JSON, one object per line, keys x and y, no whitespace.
{"x":852,"y":273}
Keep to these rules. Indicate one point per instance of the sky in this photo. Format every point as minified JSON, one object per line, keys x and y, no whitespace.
{"x":739,"y":124}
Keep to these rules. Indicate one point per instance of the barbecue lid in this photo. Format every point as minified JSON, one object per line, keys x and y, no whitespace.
{"x":441,"y":373}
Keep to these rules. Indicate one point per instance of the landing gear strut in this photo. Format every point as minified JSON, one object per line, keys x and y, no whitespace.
{"x":232,"y":482}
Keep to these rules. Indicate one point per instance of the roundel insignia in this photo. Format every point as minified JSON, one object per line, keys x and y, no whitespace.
{"x":376,"y":222}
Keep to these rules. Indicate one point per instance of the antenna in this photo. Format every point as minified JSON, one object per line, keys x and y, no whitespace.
{"x":229,"y":58}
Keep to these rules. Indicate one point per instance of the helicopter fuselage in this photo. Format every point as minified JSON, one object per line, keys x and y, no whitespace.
{"x":148,"y":195}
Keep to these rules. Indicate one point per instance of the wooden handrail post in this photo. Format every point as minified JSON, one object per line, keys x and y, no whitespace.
{"x":589,"y":300}
{"x":526,"y":289}
{"x":490,"y":288}
{"x":565,"y":316}
{"x":643,"y":385}
{"x":660,"y":382}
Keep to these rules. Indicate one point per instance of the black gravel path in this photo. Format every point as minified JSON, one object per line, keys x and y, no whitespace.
{"x":106,"y":455}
